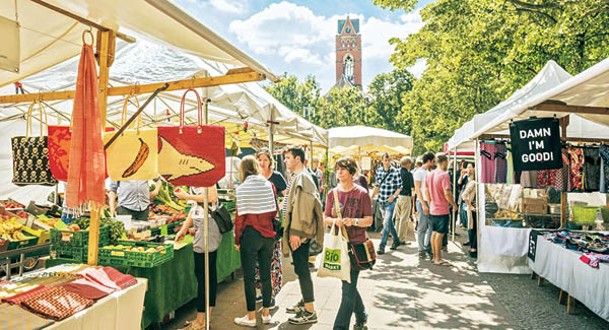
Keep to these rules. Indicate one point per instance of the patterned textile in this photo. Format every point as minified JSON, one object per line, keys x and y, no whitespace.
{"x":14,"y":317}
{"x":276,"y":272}
{"x":592,"y":169}
{"x":576,"y":169}
{"x":100,"y":276}
{"x":20,"y":298}
{"x":57,"y":304}
{"x":391,"y":183}
{"x":604,"y":152}
{"x":546,"y":178}
{"x":88,"y":289}
{"x":122,"y":280}
{"x":562,"y":174}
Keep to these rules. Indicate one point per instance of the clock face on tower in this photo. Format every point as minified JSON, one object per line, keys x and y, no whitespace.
{"x":348,"y":30}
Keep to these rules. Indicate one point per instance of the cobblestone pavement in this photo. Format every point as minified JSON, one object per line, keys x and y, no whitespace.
{"x":405,"y":292}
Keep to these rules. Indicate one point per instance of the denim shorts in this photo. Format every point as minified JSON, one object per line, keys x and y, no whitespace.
{"x":439,"y":223}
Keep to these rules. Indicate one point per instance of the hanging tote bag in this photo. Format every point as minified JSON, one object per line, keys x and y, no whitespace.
{"x":133,"y":155}
{"x":31,"y":154}
{"x":191,"y":155}
{"x":334,"y":261}
{"x":60,"y":139}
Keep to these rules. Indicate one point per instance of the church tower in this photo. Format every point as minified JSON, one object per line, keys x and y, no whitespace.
{"x":348,"y":53}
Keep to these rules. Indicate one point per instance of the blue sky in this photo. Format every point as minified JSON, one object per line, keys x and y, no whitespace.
{"x":297,"y":37}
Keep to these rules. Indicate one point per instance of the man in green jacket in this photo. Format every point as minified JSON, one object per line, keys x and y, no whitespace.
{"x":304,"y":222}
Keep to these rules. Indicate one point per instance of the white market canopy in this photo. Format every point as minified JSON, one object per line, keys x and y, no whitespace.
{"x":367,"y":138}
{"x":49,"y":37}
{"x":550,"y":76}
{"x":584,"y":98}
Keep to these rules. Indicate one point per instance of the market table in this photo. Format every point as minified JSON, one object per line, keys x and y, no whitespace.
{"x":562,"y":267}
{"x":172,"y":284}
{"x":119,"y":310}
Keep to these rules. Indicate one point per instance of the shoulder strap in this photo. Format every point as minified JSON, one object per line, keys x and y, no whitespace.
{"x":338,"y":213}
{"x":385,"y":177}
{"x":336,"y":204}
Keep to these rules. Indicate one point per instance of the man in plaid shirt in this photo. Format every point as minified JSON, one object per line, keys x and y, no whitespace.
{"x":390,"y":183}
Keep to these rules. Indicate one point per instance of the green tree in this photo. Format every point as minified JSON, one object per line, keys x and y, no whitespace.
{"x":302,"y":98}
{"x":386,"y":93}
{"x":478,"y":52}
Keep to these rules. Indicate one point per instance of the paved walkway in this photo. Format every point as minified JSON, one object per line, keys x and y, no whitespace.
{"x":405,"y":292}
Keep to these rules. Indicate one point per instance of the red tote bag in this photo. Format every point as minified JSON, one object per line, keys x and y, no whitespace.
{"x":191,"y":155}
{"x":60,"y":138}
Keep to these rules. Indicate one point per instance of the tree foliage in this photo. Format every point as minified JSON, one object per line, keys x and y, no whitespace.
{"x":349,"y":105}
{"x":478,"y":52}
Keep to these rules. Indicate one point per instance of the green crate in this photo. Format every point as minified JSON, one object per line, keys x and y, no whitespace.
{"x":30,"y":241}
{"x":584,"y":215}
{"x":120,"y":256}
{"x":172,"y":227}
{"x":78,"y":238}
{"x":69,"y":252}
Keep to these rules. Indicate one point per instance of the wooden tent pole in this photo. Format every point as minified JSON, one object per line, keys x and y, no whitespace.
{"x":102,"y":103}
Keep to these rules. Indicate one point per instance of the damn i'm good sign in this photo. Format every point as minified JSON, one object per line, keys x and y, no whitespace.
{"x":536,"y":144}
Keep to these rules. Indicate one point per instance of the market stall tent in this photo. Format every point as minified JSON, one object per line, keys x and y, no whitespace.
{"x":584,"y":95}
{"x":364,"y":137}
{"x":144,"y":62}
{"x":582,"y":99}
{"x":550,"y":76}
{"x":49,"y":37}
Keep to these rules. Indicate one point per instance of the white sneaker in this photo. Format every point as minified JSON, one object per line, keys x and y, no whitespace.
{"x":266,"y":319}
{"x":245,"y":321}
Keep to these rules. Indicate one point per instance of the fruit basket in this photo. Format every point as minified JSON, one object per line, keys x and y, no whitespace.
{"x":136,"y":253}
{"x":25,"y":241}
{"x":79,"y":238}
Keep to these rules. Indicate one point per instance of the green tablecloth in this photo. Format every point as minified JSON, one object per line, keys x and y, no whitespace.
{"x":173,"y":284}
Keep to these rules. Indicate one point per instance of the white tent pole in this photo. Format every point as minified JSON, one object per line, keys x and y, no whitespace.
{"x":480,"y":216}
{"x":454,"y":214}
{"x":206,"y":231}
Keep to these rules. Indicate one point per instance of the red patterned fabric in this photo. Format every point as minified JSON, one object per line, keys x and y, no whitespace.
{"x":88,"y":289}
{"x":98,"y":275}
{"x":547,"y":178}
{"x":18,"y":299}
{"x":122,"y":280}
{"x":87,"y":161}
{"x":57,"y":304}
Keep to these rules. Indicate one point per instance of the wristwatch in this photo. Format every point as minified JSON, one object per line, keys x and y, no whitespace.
{"x":356,"y":222}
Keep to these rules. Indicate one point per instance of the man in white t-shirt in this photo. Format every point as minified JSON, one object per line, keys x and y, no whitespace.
{"x":422,"y":205}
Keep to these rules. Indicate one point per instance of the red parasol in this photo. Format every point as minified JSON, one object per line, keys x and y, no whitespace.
{"x":87,"y":162}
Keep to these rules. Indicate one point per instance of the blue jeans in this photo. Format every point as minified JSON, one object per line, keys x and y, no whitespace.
{"x":350,"y":303}
{"x":463,"y":214}
{"x":423,"y":229}
{"x":387,"y":210}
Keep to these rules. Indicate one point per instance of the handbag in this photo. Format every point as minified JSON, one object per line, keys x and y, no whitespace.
{"x":31,"y":154}
{"x":192,"y":155}
{"x":222,"y":218}
{"x":60,"y":139}
{"x":361,"y":255}
{"x":133,"y":155}
{"x":334,"y":261}
{"x":278,"y":229}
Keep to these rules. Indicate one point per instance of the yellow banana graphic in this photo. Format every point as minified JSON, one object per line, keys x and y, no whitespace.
{"x":139,"y":160}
